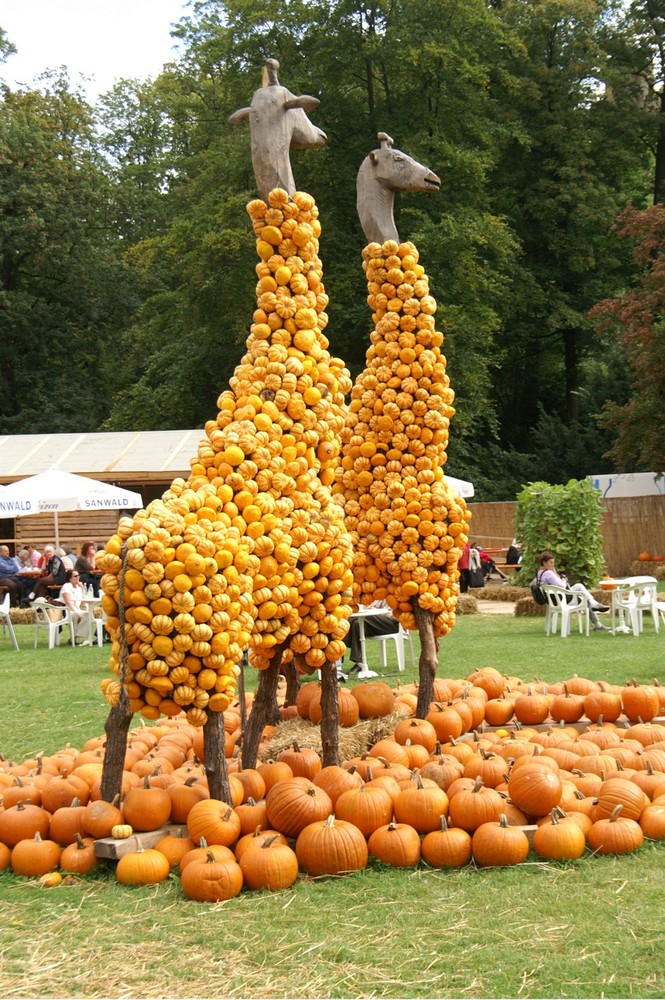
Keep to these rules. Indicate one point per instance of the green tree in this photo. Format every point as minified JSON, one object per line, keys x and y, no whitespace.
{"x":636,"y":76}
{"x":564,"y":519}
{"x":637,"y":316}
{"x":60,"y":278}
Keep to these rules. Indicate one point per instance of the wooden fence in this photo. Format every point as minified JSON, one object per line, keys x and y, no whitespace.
{"x":630,"y":525}
{"x":74,"y":528}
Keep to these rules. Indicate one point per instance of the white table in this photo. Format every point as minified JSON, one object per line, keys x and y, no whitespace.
{"x":617,"y":586}
{"x":360,"y":616}
{"x":88,"y":604}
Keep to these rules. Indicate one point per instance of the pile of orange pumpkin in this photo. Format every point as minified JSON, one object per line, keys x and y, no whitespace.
{"x":419,"y":794}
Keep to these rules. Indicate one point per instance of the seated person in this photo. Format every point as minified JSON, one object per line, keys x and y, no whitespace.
{"x":374,"y":625}
{"x":87,"y":566}
{"x":9,"y":575}
{"x":35,"y":556}
{"x":24,"y":559}
{"x":71,"y":595}
{"x":69,"y":563}
{"x":26,"y":574}
{"x":548,"y":575}
{"x":54,"y":576}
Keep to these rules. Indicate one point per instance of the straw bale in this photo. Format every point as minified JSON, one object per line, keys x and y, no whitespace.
{"x":22,"y":616}
{"x":504,"y":592}
{"x":527,"y":607}
{"x":466,"y":605}
{"x":353,"y":740}
{"x":650,"y":568}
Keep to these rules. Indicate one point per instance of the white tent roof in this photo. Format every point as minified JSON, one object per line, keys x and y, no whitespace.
{"x":116,"y":456}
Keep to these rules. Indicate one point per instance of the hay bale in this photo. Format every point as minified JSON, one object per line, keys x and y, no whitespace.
{"x":502,"y":592}
{"x":526,"y":607}
{"x":467,"y":605}
{"x":22,"y":616}
{"x":353,"y":740}
{"x":650,"y":568}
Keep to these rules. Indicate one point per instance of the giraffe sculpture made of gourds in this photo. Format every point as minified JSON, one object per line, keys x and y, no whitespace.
{"x":408,"y":536}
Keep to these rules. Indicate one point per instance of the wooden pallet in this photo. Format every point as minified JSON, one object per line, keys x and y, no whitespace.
{"x":113,"y":849}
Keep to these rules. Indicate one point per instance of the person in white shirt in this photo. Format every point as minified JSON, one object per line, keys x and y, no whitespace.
{"x":71,"y":595}
{"x":548,"y":575}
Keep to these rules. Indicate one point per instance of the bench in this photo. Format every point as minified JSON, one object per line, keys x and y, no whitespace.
{"x":508,"y":567}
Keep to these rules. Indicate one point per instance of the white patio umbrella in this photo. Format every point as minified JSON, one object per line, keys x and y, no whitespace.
{"x":56,"y":491}
{"x":462,"y":487}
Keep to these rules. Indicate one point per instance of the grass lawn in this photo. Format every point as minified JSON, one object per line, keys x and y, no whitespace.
{"x":591,"y":928}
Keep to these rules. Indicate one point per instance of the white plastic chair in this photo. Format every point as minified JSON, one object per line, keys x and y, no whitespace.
{"x":398,"y":638}
{"x":564,"y":603}
{"x":6,"y":620}
{"x":626,"y":608}
{"x":648,"y":601}
{"x":52,"y":617}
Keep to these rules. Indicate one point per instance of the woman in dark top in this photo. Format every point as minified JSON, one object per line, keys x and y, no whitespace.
{"x":86,"y":566}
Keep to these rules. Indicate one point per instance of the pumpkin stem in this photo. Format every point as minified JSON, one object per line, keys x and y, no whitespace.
{"x":615,"y":813}
{"x":444,"y":823}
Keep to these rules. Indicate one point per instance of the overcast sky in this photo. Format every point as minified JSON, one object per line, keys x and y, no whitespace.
{"x":104,"y":39}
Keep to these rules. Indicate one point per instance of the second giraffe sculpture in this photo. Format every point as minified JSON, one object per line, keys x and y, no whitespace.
{"x":381,"y":174}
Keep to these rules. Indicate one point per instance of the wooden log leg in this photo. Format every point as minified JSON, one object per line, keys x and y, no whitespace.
{"x":263,"y":711}
{"x":116,"y":729}
{"x":429,"y":659}
{"x":242,"y":704}
{"x":329,"y":716}
{"x":214,"y":757}
{"x":292,"y":683}
{"x":120,"y":716}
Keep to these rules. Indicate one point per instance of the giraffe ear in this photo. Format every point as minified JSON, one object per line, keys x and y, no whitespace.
{"x":373,"y":156}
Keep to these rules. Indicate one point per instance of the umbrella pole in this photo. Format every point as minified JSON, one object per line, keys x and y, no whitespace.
{"x":57,"y":533}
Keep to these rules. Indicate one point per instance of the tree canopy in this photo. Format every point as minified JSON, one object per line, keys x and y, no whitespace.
{"x":128,"y":261}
